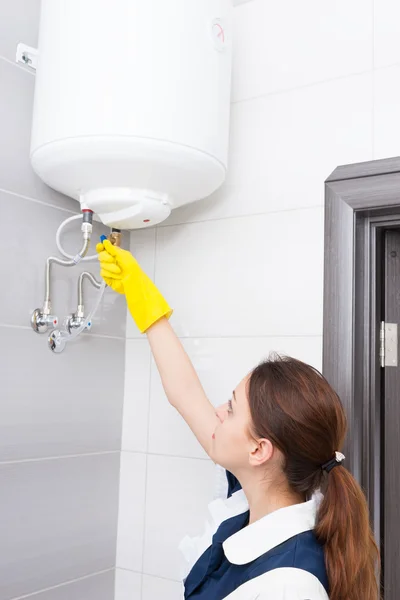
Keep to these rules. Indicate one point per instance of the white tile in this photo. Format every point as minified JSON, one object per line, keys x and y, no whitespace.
{"x":252,"y":276}
{"x":386,"y":32}
{"x":128,"y":585}
{"x":136,"y":395}
{"x":220,"y":364}
{"x":131,"y":511}
{"x":284,"y":146}
{"x":168,"y":432}
{"x":154,"y":588}
{"x":53,"y":407}
{"x":58,"y":521}
{"x":142,"y":246}
{"x":387,"y":113}
{"x":178,"y":492}
{"x":16,"y":173}
{"x":282,"y":45}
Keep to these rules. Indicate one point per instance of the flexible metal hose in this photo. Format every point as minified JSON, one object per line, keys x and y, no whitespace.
{"x":93,"y":281}
{"x":64,"y":263}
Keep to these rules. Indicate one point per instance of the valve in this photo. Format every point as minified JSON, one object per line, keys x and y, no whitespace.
{"x":75,"y":321}
{"x":56,"y":341}
{"x":41,"y":322}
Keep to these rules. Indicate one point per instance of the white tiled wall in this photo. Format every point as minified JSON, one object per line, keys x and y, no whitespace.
{"x":60,"y":416}
{"x":315,"y":85}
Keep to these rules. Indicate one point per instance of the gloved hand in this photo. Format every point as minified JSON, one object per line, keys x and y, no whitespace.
{"x":121,"y":271}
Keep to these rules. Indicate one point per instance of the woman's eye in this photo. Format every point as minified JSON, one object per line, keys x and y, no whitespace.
{"x":230,"y":405}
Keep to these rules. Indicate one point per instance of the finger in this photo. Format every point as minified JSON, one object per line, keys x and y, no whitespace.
{"x":106,"y":258}
{"x":110,"y":268}
{"x":109,"y":275}
{"x":99,"y":247}
{"x":109,"y":248}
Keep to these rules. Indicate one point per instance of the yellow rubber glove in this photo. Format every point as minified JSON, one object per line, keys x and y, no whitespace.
{"x":121,"y":271}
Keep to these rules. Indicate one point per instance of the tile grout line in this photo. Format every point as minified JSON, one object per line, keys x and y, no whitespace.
{"x":373,"y":34}
{"x":15,"y":64}
{"x":239,"y":337}
{"x":121,"y":458}
{"x":373,"y":116}
{"x":144,"y":511}
{"x":138,"y":452}
{"x":95,"y":335}
{"x":118,"y":511}
{"x":301,"y":87}
{"x":37,"y":201}
{"x":147,"y":575}
{"x":246,"y":216}
{"x":107,"y":337}
{"x":60,"y":585}
{"x":148,"y":422}
{"x":61,"y":457}
{"x":373,"y":79}
{"x":386,"y":67}
{"x":319,"y":82}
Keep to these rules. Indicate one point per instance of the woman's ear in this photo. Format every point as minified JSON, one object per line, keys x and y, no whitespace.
{"x":260,"y":452}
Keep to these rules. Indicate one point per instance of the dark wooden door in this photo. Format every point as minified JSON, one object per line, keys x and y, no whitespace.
{"x":390,"y":505}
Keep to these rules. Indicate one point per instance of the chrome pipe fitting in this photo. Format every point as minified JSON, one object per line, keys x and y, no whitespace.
{"x":41,"y":318}
{"x":77,"y":318}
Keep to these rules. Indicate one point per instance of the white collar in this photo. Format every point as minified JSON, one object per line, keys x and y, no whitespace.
{"x":256,"y":539}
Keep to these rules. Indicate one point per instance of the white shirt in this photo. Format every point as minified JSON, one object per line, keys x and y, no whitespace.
{"x":253,"y":541}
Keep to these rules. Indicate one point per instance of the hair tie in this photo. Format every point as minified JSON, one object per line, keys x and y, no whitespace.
{"x":334,"y":462}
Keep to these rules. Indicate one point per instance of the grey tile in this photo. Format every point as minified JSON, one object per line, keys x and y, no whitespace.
{"x":16,"y":173}
{"x":19,"y":22}
{"x":28,"y":238}
{"x":59,"y":404}
{"x":58,"y":521}
{"x":97,"y":587}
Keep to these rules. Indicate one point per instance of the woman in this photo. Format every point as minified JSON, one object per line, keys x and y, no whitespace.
{"x":276,"y":537}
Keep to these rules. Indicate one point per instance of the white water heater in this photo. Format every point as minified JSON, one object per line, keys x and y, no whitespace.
{"x":131,"y":108}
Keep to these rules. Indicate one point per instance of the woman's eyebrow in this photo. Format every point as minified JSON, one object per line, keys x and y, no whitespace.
{"x":234,"y":396}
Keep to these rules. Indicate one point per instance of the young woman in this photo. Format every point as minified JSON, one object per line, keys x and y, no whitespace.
{"x":295,"y":525}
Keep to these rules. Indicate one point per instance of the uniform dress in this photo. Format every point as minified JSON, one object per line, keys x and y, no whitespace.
{"x":275,"y":558}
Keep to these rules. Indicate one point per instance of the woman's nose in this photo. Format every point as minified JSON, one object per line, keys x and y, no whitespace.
{"x":222,"y":412}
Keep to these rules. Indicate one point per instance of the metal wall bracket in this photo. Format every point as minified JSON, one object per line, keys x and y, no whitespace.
{"x":26,"y":55}
{"x":389,"y":345}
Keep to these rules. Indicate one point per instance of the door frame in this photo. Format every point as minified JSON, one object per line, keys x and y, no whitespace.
{"x":360,"y":200}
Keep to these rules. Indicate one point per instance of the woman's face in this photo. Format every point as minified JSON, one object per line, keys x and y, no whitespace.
{"x":231,"y":441}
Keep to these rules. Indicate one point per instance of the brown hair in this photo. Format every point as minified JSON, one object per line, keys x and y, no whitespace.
{"x":293,"y":406}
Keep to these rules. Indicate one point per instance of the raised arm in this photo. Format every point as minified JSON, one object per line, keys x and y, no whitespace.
{"x":151,"y":312}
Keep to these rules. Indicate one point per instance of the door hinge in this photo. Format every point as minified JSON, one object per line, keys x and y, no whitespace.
{"x":388,"y":350}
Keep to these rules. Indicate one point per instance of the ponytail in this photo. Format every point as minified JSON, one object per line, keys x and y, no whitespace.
{"x":343,"y":526}
{"x":294,"y":406}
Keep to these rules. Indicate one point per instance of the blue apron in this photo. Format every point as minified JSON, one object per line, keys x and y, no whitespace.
{"x":213,"y":577}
